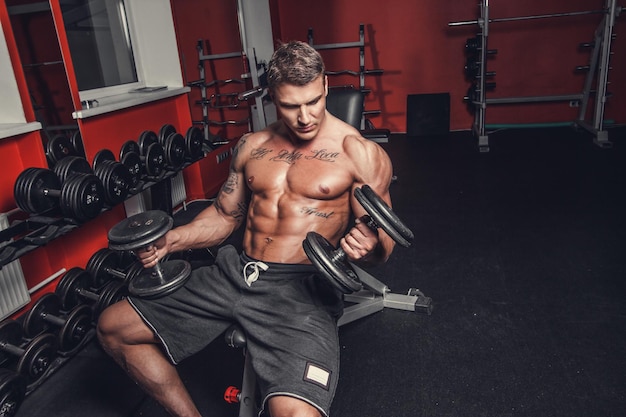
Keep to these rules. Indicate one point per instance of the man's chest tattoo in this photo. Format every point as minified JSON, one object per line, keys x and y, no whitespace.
{"x":290,"y":157}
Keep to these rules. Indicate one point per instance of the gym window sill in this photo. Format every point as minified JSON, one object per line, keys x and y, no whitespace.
{"x":127,"y":100}
{"x":8,"y":130}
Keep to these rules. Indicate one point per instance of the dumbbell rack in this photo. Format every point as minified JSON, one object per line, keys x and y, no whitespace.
{"x":222,"y":101}
{"x":598,"y":72}
{"x":361,"y":73}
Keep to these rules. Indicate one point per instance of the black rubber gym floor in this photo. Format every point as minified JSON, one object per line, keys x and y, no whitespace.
{"x":522,"y":250}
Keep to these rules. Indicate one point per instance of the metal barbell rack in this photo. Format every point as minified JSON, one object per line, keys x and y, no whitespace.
{"x":599,"y":66}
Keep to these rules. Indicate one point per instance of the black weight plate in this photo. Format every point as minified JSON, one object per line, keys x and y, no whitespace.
{"x":164,"y":132}
{"x":34,"y":322}
{"x":77,"y":144}
{"x":37,"y":357}
{"x":77,"y":324}
{"x":383,"y":216}
{"x":335,"y":268}
{"x":132,"y":162}
{"x":82,"y":198}
{"x":193,"y":143}
{"x":70,"y":286}
{"x":110,"y":294}
{"x":116,"y":180}
{"x":100,"y":264}
{"x":71,"y":165}
{"x":129,"y":146}
{"x":32,"y":188}
{"x":135,"y":269}
{"x":139,"y":230}
{"x":149,"y":284}
{"x":58,"y":148}
{"x":154,"y":161}
{"x":146,"y":138}
{"x":174,"y":147}
{"x":12,"y":392}
{"x":102,"y":155}
{"x":11,"y":332}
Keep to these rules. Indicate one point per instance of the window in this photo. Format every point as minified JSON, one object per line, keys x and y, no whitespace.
{"x":100,"y":43}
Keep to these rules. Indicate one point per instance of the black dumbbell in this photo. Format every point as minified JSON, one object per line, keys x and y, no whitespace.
{"x":138,"y":232}
{"x":151,"y":153}
{"x":12,"y":392}
{"x":194,"y":139}
{"x":35,"y":357}
{"x":333,"y":264}
{"x":173,"y":144}
{"x":115,"y":176}
{"x":45,"y":316}
{"x":105,"y":264}
{"x":70,"y":166}
{"x":38,"y":190}
{"x":75,"y":289}
{"x":59,"y":147}
{"x":131,"y":159}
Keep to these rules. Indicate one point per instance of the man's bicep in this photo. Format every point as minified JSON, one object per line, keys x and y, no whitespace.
{"x":232,"y":200}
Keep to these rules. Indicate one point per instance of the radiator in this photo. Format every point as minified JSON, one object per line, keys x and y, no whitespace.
{"x":179,"y":194}
{"x":13,"y":290}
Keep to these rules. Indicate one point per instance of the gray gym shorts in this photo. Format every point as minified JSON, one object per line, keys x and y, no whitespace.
{"x":288,"y":313}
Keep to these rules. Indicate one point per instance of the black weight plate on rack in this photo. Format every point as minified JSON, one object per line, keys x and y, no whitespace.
{"x":383,"y":216}
{"x":135,"y":269}
{"x":71,"y":165}
{"x":12,"y":392}
{"x":11,"y":333}
{"x":58,"y":148}
{"x":146,"y":138}
{"x":132,"y":162}
{"x":31,"y":190}
{"x":77,"y":324}
{"x":68,"y":289}
{"x":110,"y":294}
{"x":116,"y":180}
{"x":37,"y":357}
{"x":34,"y":322}
{"x":102,"y":155}
{"x":129,"y":146}
{"x":337,"y":271}
{"x":82,"y":197}
{"x":174,"y":147}
{"x":154,"y":161}
{"x":77,"y":144}
{"x":193,"y":143}
{"x":139,"y":230}
{"x":104,"y":259}
{"x":164,"y":132}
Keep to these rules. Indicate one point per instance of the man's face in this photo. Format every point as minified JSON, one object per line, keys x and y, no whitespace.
{"x":302,"y":108}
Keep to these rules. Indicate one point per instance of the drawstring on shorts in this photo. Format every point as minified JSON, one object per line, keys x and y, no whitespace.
{"x":257,"y":266}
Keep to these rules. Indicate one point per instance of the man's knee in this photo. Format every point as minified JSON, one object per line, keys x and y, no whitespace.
{"x":285,"y":406}
{"x":120,"y":324}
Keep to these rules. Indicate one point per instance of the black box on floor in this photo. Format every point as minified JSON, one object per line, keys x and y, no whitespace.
{"x":427,"y":114}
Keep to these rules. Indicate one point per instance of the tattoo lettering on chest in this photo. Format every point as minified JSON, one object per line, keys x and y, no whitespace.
{"x":312,"y":211}
{"x":288,"y":157}
{"x":323,"y":155}
{"x":259,"y":153}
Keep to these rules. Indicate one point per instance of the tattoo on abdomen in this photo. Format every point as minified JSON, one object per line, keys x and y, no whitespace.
{"x":312,"y":211}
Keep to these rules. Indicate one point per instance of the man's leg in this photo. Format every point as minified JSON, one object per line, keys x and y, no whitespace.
{"x":132,"y":344}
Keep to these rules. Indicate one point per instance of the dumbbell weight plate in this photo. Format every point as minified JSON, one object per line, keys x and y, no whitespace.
{"x":58,"y":148}
{"x":132,"y":162}
{"x":30,"y":190}
{"x":149,"y":284}
{"x":164,"y":132}
{"x":71,"y":165}
{"x":12,"y":392}
{"x":129,"y":146}
{"x":74,"y":279}
{"x":111,"y":293}
{"x":337,"y":271}
{"x":76,"y":326}
{"x":102,"y":155}
{"x":174,"y":148}
{"x":139,"y":230}
{"x":154,"y":161}
{"x":193,"y":143}
{"x":383,"y":216}
{"x":37,"y":357}
{"x":104,"y":259}
{"x":34,"y":323}
{"x":77,"y":144}
{"x":11,"y":333}
{"x":146,"y":138}
{"x":82,"y":197}
{"x":116,"y":180}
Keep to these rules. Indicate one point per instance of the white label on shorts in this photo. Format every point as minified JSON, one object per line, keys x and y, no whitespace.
{"x":317,"y":375}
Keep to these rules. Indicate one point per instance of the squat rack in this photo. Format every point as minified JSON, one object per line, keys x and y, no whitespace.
{"x":598,"y":69}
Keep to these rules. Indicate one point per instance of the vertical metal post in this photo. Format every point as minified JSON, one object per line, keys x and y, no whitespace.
{"x":481,"y":109}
